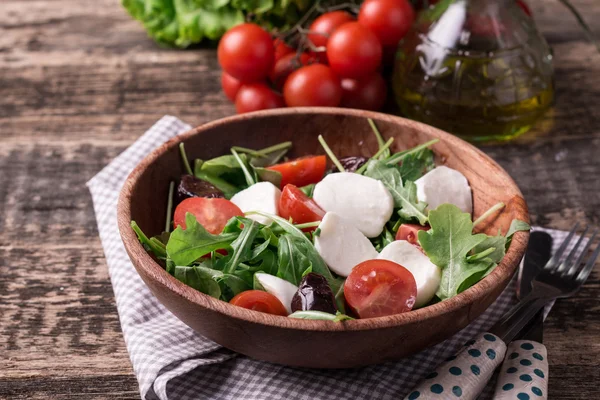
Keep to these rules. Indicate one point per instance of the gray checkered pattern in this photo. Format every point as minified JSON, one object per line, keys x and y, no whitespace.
{"x":173,"y":362}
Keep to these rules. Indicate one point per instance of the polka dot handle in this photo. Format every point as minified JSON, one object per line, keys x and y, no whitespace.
{"x":524,"y":373}
{"x":464,"y":375}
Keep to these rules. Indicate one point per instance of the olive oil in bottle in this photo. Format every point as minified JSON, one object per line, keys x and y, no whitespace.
{"x":475,"y":68}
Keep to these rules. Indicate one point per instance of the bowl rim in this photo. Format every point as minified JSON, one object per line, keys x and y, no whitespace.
{"x":134,"y":248}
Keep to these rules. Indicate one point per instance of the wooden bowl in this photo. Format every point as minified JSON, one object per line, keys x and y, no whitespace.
{"x":311,"y":343}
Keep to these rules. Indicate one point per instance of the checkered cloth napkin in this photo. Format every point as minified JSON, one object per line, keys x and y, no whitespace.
{"x":171,"y":361}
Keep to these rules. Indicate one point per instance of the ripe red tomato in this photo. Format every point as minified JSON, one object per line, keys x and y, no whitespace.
{"x":230,"y":85}
{"x":301,"y":171}
{"x":353,"y":51}
{"x":246,"y":52}
{"x":376,"y":288}
{"x":366,"y":94}
{"x":258,"y":300}
{"x":285,"y":66}
{"x":313,"y":85}
{"x":410,"y":232}
{"x":212,"y":214}
{"x":281,"y":49}
{"x":389,"y":20}
{"x":325,"y":24}
{"x":255,"y":97}
{"x":299,"y":207}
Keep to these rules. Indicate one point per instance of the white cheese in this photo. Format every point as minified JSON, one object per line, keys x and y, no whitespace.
{"x":427,"y":275}
{"x":365,"y":202}
{"x":280,"y":288}
{"x":262,"y":196}
{"x":342,"y":245}
{"x":445,"y":185}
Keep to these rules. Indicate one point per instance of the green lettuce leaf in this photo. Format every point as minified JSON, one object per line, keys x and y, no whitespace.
{"x":448,"y":243}
{"x":186,"y":246}
{"x":404,"y":193}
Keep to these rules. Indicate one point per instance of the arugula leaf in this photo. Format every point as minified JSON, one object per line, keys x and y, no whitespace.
{"x":305,"y":246}
{"x":312,"y":314}
{"x":227,"y":188}
{"x":242,"y":245}
{"x":415,"y":165}
{"x":199,"y":278}
{"x":404,"y":194}
{"x":497,"y":243}
{"x":269,"y":159}
{"x":308,"y":189}
{"x":268,"y":175}
{"x":448,"y":243}
{"x":386,"y":152}
{"x":225,"y":167}
{"x":186,"y":246}
{"x":515,"y":226}
{"x":292,"y":261}
{"x":154,"y":245}
{"x":231,"y":285}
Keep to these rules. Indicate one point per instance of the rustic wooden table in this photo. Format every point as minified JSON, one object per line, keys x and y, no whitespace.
{"x":80,"y":81}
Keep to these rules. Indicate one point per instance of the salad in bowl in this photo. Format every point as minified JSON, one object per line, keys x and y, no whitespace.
{"x":366,"y":237}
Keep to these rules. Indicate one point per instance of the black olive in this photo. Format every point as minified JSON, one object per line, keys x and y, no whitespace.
{"x":190,"y":186}
{"x":314,"y":293}
{"x":351,"y":164}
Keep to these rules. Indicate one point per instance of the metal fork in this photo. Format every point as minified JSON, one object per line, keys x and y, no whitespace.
{"x":558,"y":279}
{"x":466,"y":373}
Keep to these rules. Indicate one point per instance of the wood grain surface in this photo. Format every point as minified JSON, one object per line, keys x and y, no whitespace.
{"x":80,"y":81}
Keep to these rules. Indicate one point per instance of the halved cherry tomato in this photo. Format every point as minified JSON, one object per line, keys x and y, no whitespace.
{"x":299,"y":207}
{"x":410,"y":232}
{"x":376,"y":288}
{"x":212,"y":214}
{"x":301,"y":171}
{"x":258,"y":300}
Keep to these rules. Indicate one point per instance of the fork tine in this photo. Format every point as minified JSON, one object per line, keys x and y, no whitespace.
{"x":575,"y":266}
{"x":566,"y":263}
{"x":589,"y":266}
{"x":553,"y":262}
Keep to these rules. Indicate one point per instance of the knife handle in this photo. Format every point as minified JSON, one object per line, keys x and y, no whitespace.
{"x":464,"y":375}
{"x":524,"y":373}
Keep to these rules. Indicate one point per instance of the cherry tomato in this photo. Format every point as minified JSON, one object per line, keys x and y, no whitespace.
{"x":325,"y":24}
{"x":212,"y":214}
{"x":389,"y":20}
{"x":410,"y":232}
{"x":258,"y":300}
{"x":246,"y":52}
{"x":366,"y":94}
{"x":285,"y":66}
{"x":281,"y":49}
{"x":255,"y":97}
{"x":313,"y":85}
{"x":353,"y":51}
{"x":299,"y":207}
{"x":230,"y":85}
{"x":524,"y":7}
{"x":376,"y":288}
{"x":301,"y":171}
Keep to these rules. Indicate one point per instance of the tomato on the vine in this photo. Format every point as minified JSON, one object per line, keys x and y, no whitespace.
{"x":313,"y":85}
{"x":353,"y":51}
{"x":325,"y":24}
{"x":212,"y":214}
{"x":365,"y":94}
{"x":255,"y":97}
{"x":246,"y":52}
{"x":281,"y":49}
{"x":285,"y":66}
{"x":230,"y":85}
{"x":389,"y":20}
{"x":376,"y":288}
{"x":258,"y":300}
